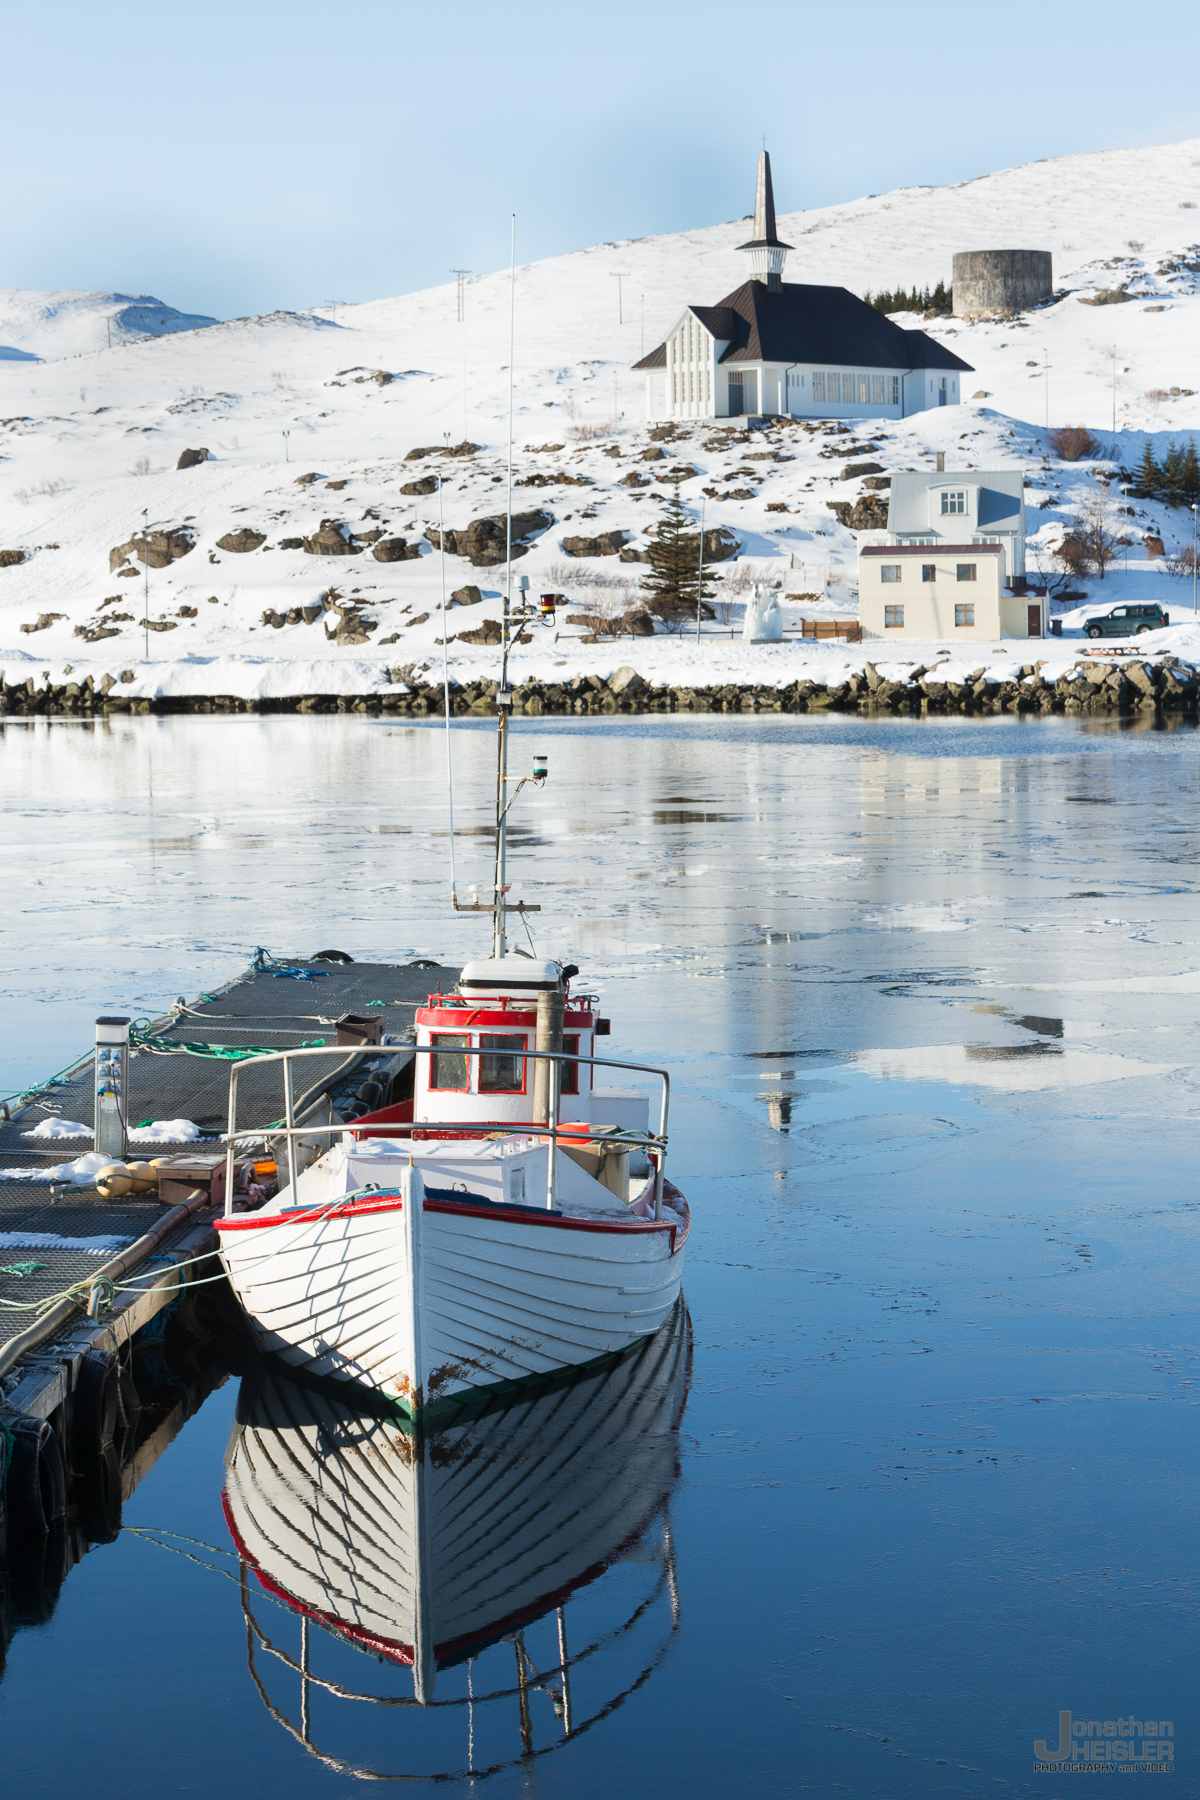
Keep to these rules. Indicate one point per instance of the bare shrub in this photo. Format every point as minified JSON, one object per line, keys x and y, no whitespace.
{"x":83,"y":396}
{"x":563,"y":575}
{"x":1135,"y":244}
{"x":43,"y":490}
{"x":1181,"y":563}
{"x":1187,"y":206}
{"x":1074,"y":443}
{"x":141,"y":466}
{"x":1156,"y":396}
{"x":1093,"y":535}
{"x":587,"y":434}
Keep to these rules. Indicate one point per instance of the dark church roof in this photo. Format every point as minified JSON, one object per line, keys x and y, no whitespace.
{"x":803,"y":323}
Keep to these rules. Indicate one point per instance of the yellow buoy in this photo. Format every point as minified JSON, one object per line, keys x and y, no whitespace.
{"x":114,"y":1179}
{"x":144,"y":1177}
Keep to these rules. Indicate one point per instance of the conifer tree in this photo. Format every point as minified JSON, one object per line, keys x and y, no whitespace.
{"x":671,"y":587}
{"x":1149,"y":474}
{"x":1191,"y":474}
{"x":1172,"y":475}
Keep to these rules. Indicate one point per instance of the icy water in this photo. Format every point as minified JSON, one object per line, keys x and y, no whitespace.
{"x":928,"y":993}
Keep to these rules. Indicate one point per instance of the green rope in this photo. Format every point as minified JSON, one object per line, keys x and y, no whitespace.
{"x":22,"y":1268}
{"x":221,"y":1052}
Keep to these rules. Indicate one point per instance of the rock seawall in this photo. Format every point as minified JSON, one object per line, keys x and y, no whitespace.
{"x":1164,"y":685}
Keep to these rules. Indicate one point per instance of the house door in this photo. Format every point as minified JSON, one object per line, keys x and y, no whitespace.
{"x":737,"y":405}
{"x":750,"y":390}
{"x":942,"y":392}
{"x":1035,"y":621}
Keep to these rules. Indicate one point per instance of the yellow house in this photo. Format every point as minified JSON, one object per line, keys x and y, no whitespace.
{"x":942,"y":591}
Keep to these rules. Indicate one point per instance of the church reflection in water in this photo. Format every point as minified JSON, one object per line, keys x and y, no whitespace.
{"x":517,"y":1565}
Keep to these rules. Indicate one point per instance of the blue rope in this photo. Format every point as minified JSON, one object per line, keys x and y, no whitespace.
{"x":265,"y":964}
{"x":6,"y":1450}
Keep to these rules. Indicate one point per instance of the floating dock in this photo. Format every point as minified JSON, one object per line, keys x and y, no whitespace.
{"x":82,"y":1274}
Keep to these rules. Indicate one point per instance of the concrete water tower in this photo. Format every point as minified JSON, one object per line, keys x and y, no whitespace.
{"x":1000,"y":281}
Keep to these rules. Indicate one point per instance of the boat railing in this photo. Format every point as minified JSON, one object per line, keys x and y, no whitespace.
{"x":655,"y":1143}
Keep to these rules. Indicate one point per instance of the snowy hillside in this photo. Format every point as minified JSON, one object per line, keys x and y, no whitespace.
{"x":44,"y":327}
{"x":89,"y":442}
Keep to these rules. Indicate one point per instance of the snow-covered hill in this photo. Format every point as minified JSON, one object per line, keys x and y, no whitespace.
{"x":43,"y":327}
{"x":89,"y":443}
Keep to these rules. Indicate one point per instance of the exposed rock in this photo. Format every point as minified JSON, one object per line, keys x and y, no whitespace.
{"x":639,"y":624}
{"x":679,"y":472}
{"x":188,"y":612}
{"x":307,"y":480}
{"x":559,"y":478}
{"x":878,"y":482}
{"x":609,"y":543}
{"x":383,"y":377}
{"x":395,"y":549}
{"x":1105,"y":297}
{"x":91,"y":634}
{"x":330,"y":541}
{"x":852,"y":471}
{"x":653,"y":454}
{"x":776,"y":505}
{"x":463,"y":449}
{"x":466,"y":596}
{"x":44,"y":622}
{"x":158,"y":548}
{"x":630,"y":554}
{"x":10,"y":558}
{"x":490,"y":632}
{"x":868,"y":514}
{"x":739,"y":494}
{"x":367,"y":537}
{"x":1154,"y":548}
{"x":720,"y":544}
{"x":189,"y":458}
{"x":634,"y":480}
{"x":628,"y":682}
{"x":426,"y":485}
{"x":483,"y":541}
{"x":291,"y":543}
{"x":242,"y":540}
{"x":335,"y":487}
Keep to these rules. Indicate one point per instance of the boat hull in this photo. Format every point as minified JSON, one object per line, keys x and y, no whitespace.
{"x":432,"y":1300}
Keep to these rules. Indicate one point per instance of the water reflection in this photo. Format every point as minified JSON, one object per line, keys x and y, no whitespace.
{"x":519,"y":1562}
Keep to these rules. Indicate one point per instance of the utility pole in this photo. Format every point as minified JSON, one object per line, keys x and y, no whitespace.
{"x":461,"y":276}
{"x":643,"y":324}
{"x":1114,"y":393}
{"x":286,"y":436}
{"x":1046,"y":373}
{"x":619,"y":276}
{"x":1193,"y":560}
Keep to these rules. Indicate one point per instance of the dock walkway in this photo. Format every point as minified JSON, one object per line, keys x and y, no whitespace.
{"x":179,"y":1071}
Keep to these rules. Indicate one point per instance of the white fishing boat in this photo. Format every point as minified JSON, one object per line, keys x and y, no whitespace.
{"x":424,"y":1550}
{"x":512,"y":1219}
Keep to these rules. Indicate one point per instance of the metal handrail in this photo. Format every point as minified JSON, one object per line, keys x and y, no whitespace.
{"x":523,"y":1127}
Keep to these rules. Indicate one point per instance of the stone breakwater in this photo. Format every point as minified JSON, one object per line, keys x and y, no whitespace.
{"x":1164,"y":684}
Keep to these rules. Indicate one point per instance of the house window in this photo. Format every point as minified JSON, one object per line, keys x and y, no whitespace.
{"x":819,"y":386}
{"x":448,"y":1064}
{"x":893,"y":618}
{"x":889,"y":571}
{"x":864,"y":390}
{"x":501,"y":1073}
{"x":928,"y":571}
{"x":954,"y":500}
{"x":879,"y":390}
{"x":965,"y":614}
{"x":895,"y":390}
{"x":966,"y":571}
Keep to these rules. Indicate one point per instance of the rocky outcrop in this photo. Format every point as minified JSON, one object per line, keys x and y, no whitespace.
{"x":720,"y":545}
{"x":395,"y":549}
{"x":330,"y":540}
{"x":242,"y":541}
{"x":466,"y":596}
{"x":868,"y":514}
{"x":1105,"y":297}
{"x":10,"y":558}
{"x":158,"y":548}
{"x":609,"y":543}
{"x":631,"y":554}
{"x":190,"y":458}
{"x":43,"y":622}
{"x":852,"y":471}
{"x":483,"y":542}
{"x":463,"y":449}
{"x":426,"y":485}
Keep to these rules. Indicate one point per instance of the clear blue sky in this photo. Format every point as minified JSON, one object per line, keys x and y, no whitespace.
{"x":234,"y":158}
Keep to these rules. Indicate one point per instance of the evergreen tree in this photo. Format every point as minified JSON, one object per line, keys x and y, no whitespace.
{"x":1172,"y":475}
{"x":1191,"y":474}
{"x":1149,"y":476}
{"x":672,"y":586}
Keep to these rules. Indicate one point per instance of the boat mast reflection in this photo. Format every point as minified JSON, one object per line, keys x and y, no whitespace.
{"x":520,"y":1555}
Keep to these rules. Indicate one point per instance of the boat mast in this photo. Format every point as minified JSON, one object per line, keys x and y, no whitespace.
{"x":504,"y":697}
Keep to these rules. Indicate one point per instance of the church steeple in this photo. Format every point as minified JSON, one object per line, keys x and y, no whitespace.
{"x":764,"y":253}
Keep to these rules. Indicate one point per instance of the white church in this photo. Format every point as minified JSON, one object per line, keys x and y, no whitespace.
{"x":774,"y":347}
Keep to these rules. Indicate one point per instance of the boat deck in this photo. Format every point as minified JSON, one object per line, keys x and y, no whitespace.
{"x":178,"y":1070}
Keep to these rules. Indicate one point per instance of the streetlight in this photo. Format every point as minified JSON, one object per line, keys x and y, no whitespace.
{"x":619,"y":276}
{"x":1126,"y":489}
{"x":286,"y":436}
{"x":146,"y":578}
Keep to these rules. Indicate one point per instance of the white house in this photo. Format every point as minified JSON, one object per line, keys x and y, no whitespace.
{"x":951,"y":562}
{"x":774,"y":347}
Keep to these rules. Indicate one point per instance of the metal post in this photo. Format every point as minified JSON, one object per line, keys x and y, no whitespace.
{"x":233,"y":1079}
{"x":700,"y":577}
{"x":304,"y":1670}
{"x":552,"y":1182}
{"x":146,"y":578}
{"x":1193,"y":559}
{"x":289,"y":1121}
{"x":286,"y":456}
{"x":111,"y":1124}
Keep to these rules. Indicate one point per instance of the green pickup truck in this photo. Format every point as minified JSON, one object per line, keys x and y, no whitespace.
{"x":1128,"y":621}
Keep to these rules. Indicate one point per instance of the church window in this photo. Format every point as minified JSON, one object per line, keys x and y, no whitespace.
{"x":895,"y":390}
{"x":864,"y":390}
{"x":878,"y":395}
{"x":819,"y":385}
{"x":847,"y":390}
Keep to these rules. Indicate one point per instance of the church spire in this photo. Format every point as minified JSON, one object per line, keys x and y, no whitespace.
{"x":765,"y":254}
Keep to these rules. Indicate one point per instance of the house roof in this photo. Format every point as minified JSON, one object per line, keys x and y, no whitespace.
{"x":1000,"y":504}
{"x":803,"y":323}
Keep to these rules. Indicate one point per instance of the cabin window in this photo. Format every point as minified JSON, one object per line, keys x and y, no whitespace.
{"x":893,"y":618}
{"x":568,"y":1082}
{"x":954,"y":500}
{"x":448,"y":1064}
{"x":928,"y":571}
{"x":819,"y":386}
{"x":889,"y":571}
{"x":966,"y":571}
{"x":964,"y":614}
{"x":501,"y":1073}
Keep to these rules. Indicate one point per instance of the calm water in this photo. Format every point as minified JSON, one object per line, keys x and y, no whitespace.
{"x":929,"y":994}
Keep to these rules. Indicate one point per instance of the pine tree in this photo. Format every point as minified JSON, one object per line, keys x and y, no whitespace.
{"x":1150,"y":476}
{"x":1191,"y":474}
{"x":671,"y":586}
{"x":1172,"y":475}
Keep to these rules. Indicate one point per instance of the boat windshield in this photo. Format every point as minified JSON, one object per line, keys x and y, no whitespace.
{"x":498,"y":1073}
{"x":448,"y":1064}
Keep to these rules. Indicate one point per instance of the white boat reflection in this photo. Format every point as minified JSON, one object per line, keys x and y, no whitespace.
{"x":440,"y":1553}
